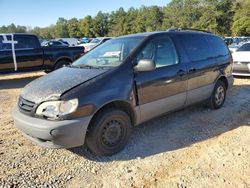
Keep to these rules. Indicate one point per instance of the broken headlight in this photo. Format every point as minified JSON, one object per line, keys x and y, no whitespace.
{"x":57,"y":109}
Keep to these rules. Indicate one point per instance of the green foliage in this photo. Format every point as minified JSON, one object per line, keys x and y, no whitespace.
{"x":74,"y":28}
{"x":12,"y":28}
{"x":100,"y":24}
{"x":61,"y":28}
{"x":86,"y":27}
{"x":117,"y":20}
{"x":241,"y":21}
{"x":223,"y":17}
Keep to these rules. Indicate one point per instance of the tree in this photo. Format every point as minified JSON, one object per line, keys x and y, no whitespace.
{"x":241,"y":21}
{"x":222,"y":17}
{"x":100,"y":24}
{"x":130,"y":23}
{"x":117,"y":21}
{"x":86,"y":27}
{"x":74,"y":28}
{"x":153,"y":18}
{"x":216,"y":16}
{"x":12,"y":28}
{"x":173,"y":15}
{"x":61,"y":28}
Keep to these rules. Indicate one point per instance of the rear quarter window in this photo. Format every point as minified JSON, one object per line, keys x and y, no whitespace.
{"x":196,"y":47}
{"x":218,"y":45}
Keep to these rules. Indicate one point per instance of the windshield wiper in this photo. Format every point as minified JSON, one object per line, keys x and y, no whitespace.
{"x":90,"y":67}
{"x":83,"y":66}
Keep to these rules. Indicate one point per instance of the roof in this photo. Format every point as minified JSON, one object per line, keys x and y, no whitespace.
{"x":167,"y":31}
{"x":17,"y":34}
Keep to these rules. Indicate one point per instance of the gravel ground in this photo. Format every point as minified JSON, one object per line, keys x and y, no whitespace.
{"x":194,"y":147}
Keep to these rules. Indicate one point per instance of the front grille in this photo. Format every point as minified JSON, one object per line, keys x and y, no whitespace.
{"x":240,"y":66}
{"x":26,"y":105}
{"x":241,"y":62}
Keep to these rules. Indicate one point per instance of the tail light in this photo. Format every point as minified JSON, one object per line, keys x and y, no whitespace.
{"x":231,"y":63}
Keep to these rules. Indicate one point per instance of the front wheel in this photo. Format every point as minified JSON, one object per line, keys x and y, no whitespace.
{"x":218,"y":96}
{"x":109,"y":132}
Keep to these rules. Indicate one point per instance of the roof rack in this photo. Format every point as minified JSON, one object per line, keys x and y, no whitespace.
{"x":188,"y":29}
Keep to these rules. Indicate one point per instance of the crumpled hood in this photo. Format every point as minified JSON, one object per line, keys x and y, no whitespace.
{"x":57,"y":82}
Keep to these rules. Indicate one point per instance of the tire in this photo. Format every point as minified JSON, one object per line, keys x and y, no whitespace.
{"x":61,"y":64}
{"x":109,"y":132}
{"x":218,"y":96}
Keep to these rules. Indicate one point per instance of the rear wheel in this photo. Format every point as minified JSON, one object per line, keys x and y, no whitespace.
{"x":218,"y":96}
{"x":109,"y":132}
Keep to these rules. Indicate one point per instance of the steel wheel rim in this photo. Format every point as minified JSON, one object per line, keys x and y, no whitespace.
{"x":219,"y":95}
{"x":112,"y":133}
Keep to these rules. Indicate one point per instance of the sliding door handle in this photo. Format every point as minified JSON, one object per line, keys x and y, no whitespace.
{"x":192,"y":70}
{"x":181,"y":73}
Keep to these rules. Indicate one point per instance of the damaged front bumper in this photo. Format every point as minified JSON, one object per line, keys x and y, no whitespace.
{"x":52,"y":134}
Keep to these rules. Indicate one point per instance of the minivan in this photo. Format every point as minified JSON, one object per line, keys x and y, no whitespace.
{"x":122,"y":83}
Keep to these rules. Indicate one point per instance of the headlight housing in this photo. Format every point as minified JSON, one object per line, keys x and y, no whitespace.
{"x":57,"y":109}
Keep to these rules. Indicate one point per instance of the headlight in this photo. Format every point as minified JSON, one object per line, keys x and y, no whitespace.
{"x":57,"y":109}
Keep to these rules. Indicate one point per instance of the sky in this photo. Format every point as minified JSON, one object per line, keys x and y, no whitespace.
{"x":43,"y":13}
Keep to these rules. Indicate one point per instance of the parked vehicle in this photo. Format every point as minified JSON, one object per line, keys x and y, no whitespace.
{"x":228,"y":40}
{"x":94,"y":42}
{"x":122,"y":83}
{"x":83,"y":40}
{"x":54,"y":43}
{"x":65,"y":42}
{"x":241,"y":58}
{"x":69,"y":41}
{"x":28,"y":55}
{"x":233,"y":48}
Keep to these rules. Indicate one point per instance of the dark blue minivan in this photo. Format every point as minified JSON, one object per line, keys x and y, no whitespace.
{"x":122,"y":83}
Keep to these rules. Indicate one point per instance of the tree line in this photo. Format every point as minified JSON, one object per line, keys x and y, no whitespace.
{"x":223,"y":17}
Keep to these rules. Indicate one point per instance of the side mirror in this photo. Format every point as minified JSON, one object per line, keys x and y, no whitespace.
{"x":145,"y":65}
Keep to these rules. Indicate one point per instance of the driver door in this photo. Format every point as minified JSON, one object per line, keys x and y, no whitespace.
{"x":165,"y":88}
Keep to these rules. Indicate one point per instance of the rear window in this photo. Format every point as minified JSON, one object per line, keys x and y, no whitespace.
{"x":196,"y":47}
{"x":244,"y":47}
{"x":219,"y":46}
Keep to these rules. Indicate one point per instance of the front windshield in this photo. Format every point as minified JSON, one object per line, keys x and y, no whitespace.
{"x":110,"y":54}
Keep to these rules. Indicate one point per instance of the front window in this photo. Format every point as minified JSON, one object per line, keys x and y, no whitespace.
{"x":110,"y":54}
{"x":161,"y":50}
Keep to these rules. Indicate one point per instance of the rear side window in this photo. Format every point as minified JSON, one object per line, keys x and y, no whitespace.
{"x":5,"y":46}
{"x":25,"y":42}
{"x":218,"y":45}
{"x":197,"y":47}
{"x":244,"y":47}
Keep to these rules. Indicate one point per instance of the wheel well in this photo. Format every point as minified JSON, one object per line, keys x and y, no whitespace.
{"x":124,"y":106}
{"x":224,"y":80}
{"x":62,"y":59}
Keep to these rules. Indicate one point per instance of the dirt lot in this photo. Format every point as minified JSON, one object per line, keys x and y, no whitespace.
{"x":194,"y":147}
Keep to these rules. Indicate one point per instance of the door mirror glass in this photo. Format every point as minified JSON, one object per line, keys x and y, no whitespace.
{"x":145,"y":65}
